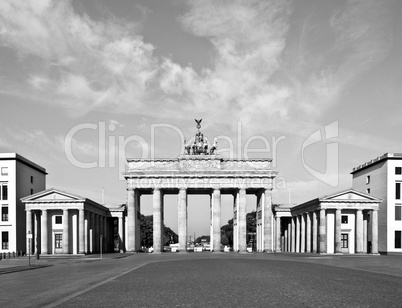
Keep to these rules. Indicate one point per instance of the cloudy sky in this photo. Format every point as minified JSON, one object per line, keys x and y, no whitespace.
{"x":314,"y":84}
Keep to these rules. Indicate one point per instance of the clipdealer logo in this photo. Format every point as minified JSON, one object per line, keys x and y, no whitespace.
{"x":331,"y":174}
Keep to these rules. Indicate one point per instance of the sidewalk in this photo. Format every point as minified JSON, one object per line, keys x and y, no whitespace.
{"x":23,"y":263}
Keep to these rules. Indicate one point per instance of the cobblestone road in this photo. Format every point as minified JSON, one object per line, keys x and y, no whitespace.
{"x":204,"y":279}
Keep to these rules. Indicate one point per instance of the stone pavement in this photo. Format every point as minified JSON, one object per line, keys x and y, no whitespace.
{"x":61,"y":281}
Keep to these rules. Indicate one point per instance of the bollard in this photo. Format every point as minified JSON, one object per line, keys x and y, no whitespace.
{"x":13,"y":254}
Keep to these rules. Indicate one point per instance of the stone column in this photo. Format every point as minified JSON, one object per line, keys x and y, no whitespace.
{"x":86,"y":233}
{"x":130,"y":244}
{"x":298,"y":218}
{"x":216,"y":217}
{"x":288,"y":248}
{"x":359,"y":231}
{"x":157,"y":211}
{"x":365,"y":223}
{"x":293,"y":237}
{"x":65,"y":232}
{"x":374,"y":232}
{"x":286,"y":241}
{"x":278,"y":234}
{"x":91,"y":232}
{"x":29,"y":230}
{"x":303,"y":233}
{"x":323,"y":231}
{"x":96,"y":233}
{"x":182,"y":219}
{"x":120,"y":230}
{"x":338,"y":229}
{"x":211,"y":220}
{"x":36,"y":232}
{"x":241,"y":222}
{"x":308,"y":232}
{"x":268,"y":220}
{"x":236,"y":200}
{"x":81,"y":232}
{"x":44,"y":233}
{"x":315,"y":232}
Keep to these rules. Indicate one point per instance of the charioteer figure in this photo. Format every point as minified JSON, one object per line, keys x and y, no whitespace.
{"x":200,"y":145}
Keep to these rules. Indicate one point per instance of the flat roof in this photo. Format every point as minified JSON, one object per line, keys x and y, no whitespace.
{"x":23,"y":160}
{"x":376,"y":160}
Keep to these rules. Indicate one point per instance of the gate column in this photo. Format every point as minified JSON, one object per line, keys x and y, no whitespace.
{"x":216,"y":220}
{"x":158,"y":221}
{"x":268,"y":220}
{"x":130,"y":220}
{"x":182,"y":207}
{"x":241,"y":223}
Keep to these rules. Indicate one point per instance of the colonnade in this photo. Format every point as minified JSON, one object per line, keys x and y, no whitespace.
{"x":313,"y":232}
{"x":81,"y":231}
{"x":264,"y":235}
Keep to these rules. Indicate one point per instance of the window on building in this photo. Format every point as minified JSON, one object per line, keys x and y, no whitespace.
{"x":398,"y":241}
{"x":4,"y":171}
{"x":4,"y":191}
{"x":345,"y":240}
{"x":31,"y":191}
{"x":58,"y":240}
{"x":4,"y":240}
{"x":368,"y":190}
{"x":344,"y":219}
{"x":398,"y":212}
{"x":368,"y":179}
{"x":397,"y":191}
{"x":4,"y":213}
{"x":59,"y":220}
{"x":398,"y":170}
{"x":31,"y":179}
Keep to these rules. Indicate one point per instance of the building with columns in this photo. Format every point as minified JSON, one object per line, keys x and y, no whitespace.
{"x":199,"y":170}
{"x":58,"y":222}
{"x":342,"y":223}
{"x":200,"y":174}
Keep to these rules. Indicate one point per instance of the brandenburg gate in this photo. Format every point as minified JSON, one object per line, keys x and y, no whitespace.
{"x":200,"y":170}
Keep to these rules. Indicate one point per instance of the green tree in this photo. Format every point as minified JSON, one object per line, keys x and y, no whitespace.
{"x":227,"y":233}
{"x":147,"y":227}
{"x":203,"y":237}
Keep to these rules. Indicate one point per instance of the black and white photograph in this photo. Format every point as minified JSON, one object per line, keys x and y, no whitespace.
{"x":201,"y":153}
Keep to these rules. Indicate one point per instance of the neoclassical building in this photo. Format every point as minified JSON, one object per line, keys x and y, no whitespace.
{"x":342,"y":223}
{"x":200,"y":174}
{"x":58,"y":222}
{"x":199,"y":170}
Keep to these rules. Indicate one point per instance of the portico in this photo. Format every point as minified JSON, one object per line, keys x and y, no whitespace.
{"x":199,"y":170}
{"x":63,"y":223}
{"x":341,"y":223}
{"x":211,"y":175}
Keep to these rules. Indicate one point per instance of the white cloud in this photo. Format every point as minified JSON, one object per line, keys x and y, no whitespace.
{"x":82,"y":64}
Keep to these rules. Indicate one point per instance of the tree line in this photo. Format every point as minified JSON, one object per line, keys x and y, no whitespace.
{"x":171,"y":237}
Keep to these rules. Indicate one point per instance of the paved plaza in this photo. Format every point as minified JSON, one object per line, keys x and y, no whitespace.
{"x":203,"y":280}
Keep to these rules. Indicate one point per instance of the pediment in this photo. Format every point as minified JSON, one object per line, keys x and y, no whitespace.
{"x":52,"y":194}
{"x":350,"y":194}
